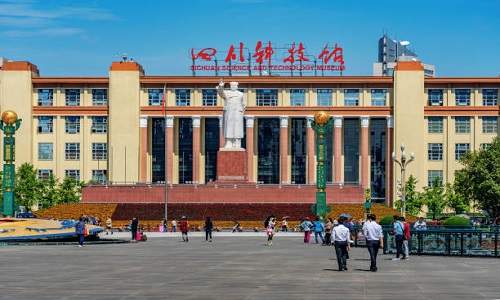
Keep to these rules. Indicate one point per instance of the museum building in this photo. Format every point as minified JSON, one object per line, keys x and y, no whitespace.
{"x":130,"y":129}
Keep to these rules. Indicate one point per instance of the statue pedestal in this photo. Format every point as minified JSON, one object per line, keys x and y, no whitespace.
{"x":232,"y":165}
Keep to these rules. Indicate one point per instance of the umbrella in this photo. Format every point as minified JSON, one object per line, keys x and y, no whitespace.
{"x":286,"y":217}
{"x":346,"y":215}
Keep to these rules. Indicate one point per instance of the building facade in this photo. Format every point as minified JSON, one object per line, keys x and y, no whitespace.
{"x":116,"y":130}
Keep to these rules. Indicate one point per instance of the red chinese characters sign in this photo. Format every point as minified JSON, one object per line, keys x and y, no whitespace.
{"x":265,"y":56}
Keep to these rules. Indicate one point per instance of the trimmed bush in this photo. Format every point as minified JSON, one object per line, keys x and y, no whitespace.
{"x":387,"y":220}
{"x":457,"y":222}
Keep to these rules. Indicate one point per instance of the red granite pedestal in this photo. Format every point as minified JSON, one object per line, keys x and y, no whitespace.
{"x":232,"y":166}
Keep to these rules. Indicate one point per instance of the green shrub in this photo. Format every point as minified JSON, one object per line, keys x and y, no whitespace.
{"x":457,"y":222}
{"x":387,"y":220}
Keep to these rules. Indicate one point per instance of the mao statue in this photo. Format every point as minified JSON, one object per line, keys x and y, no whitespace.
{"x":232,"y":116}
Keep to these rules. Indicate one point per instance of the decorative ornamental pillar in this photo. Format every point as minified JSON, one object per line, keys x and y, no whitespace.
{"x":9,"y":118}
{"x":321,"y":124}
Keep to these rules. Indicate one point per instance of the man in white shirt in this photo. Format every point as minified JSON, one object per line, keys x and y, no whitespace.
{"x":374,"y":239}
{"x":341,"y":237}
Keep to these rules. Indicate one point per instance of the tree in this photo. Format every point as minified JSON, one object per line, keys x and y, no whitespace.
{"x":479,"y":180}
{"x":455,"y":201}
{"x":433,"y":197}
{"x":50,"y":192}
{"x":413,"y":198}
{"x":70,"y":190}
{"x":29,"y":189}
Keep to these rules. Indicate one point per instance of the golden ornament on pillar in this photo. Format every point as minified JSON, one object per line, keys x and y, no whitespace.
{"x":9,"y":117}
{"x":321,"y":117}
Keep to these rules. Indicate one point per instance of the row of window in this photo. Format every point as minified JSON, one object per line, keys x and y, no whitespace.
{"x":269,"y":97}
{"x":72,"y":124}
{"x":97,"y":175}
{"x":463,"y":97}
{"x":462,"y":124}
{"x":435,"y":150}
{"x":72,"y":97}
{"x":72,"y":151}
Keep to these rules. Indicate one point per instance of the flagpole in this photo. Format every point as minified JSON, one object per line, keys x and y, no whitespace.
{"x":163,"y":104}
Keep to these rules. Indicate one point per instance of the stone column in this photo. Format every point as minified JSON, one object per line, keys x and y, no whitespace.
{"x":365,"y":167}
{"x":337,"y":149}
{"x":311,"y":150}
{"x":196,"y":148}
{"x":284,"y":149}
{"x":169,"y":155}
{"x":389,"y":174}
{"x":250,"y":147}
{"x":143,"y":124}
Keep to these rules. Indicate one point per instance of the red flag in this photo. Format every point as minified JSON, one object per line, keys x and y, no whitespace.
{"x":163,"y":99}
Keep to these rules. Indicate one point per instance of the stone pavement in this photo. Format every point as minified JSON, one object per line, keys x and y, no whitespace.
{"x":234,"y":266}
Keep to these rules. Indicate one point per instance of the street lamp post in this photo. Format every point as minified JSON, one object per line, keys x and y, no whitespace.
{"x":402,"y":162}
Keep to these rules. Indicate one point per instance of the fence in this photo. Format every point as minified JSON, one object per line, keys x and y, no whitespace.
{"x":449,"y":242}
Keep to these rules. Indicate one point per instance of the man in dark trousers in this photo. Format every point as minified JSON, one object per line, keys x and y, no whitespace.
{"x":374,"y":239}
{"x":133,"y":228}
{"x":341,"y":237}
{"x":209,"y":226}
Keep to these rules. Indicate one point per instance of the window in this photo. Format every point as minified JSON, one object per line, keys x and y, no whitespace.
{"x":435,"y":97}
{"x":99,"y":151}
{"x":99,"y":97}
{"x":462,"y":124}
{"x":461,"y":149}
{"x":435,"y":151}
{"x":72,"y":124}
{"x":490,"y":97}
{"x":75,"y":174}
{"x":182,"y":97}
{"x":72,"y":97}
{"x":490,"y":124}
{"x":485,"y":146}
{"x":378,"y":97}
{"x":72,"y":151}
{"x":297,"y":97}
{"x":45,"y":97}
{"x":99,"y":124}
{"x":435,"y":124}
{"x":155,"y":97}
{"x":209,"y":97}
{"x":432,"y":175}
{"x":44,"y":174}
{"x":45,"y":151}
{"x":45,"y":124}
{"x":351,"y":97}
{"x":267,"y":97}
{"x":99,"y":176}
{"x":462,"y":97}
{"x":324,"y":97}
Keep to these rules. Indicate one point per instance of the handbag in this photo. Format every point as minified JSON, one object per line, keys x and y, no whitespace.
{"x":86,"y":231}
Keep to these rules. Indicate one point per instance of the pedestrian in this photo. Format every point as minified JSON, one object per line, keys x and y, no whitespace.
{"x":164,"y":224}
{"x":374,"y":239}
{"x":328,"y":232}
{"x":236,"y":226}
{"x":318,"y":230}
{"x":306,"y":225}
{"x":341,"y":238}
{"x":209,"y":226}
{"x":109,"y":225}
{"x":133,"y":227}
{"x":420,"y":225}
{"x":398,"y":233}
{"x":284,"y":225}
{"x":174,"y":225}
{"x":406,"y":239}
{"x":184,"y":226}
{"x":80,"y":230}
{"x":270,"y":231}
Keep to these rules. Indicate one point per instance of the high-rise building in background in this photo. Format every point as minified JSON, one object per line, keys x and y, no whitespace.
{"x":390,"y":52}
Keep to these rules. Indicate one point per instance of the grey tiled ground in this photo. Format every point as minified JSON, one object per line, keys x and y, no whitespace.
{"x":234,"y":266}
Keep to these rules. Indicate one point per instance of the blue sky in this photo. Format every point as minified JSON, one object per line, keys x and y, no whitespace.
{"x":81,"y":38}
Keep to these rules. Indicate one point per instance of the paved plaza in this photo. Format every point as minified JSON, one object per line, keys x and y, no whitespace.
{"x":234,"y":266}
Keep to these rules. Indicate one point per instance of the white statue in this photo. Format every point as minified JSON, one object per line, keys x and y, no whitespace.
{"x":232,"y":116}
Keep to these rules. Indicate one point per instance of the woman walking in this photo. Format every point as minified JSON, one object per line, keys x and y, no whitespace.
{"x":80,"y":231}
{"x":306,"y":225}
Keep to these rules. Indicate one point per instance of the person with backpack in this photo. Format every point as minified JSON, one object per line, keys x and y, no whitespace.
{"x":306,"y":225}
